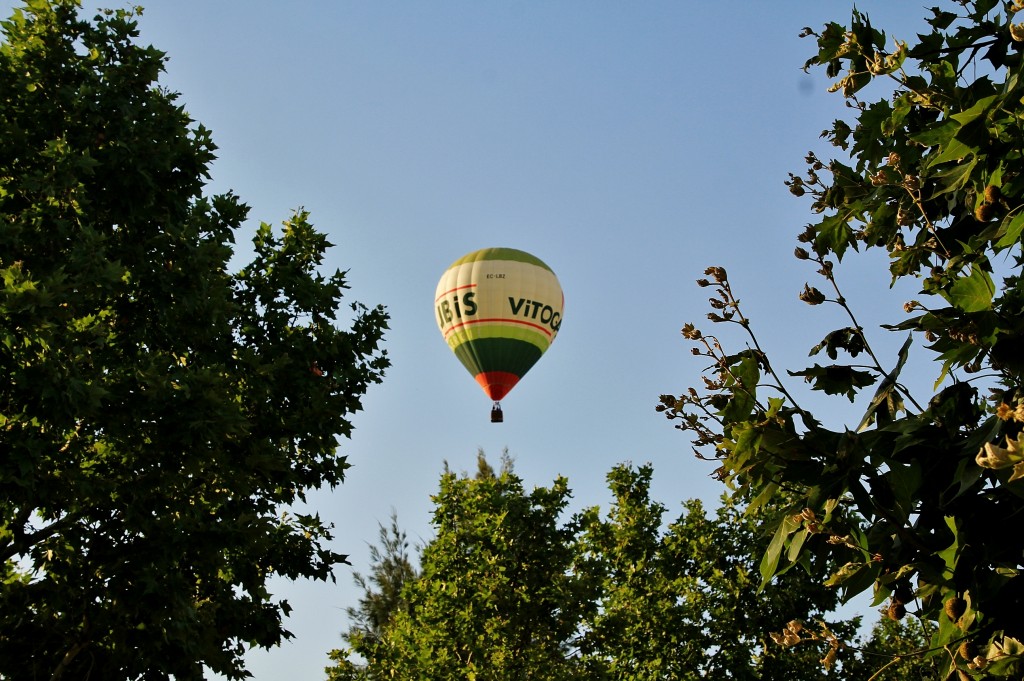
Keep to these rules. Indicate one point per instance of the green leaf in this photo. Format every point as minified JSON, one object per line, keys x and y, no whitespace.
{"x":955,"y":177}
{"x":745,"y":375}
{"x":972,"y":293}
{"x":887,"y":386}
{"x":834,"y":234}
{"x":775,"y":404}
{"x":843,"y":573}
{"x":796,"y":544}
{"x":953,"y":150}
{"x":904,"y":481}
{"x":1010,"y":230}
{"x":980,"y":108}
{"x":951,"y":553}
{"x":836,"y":379}
{"x":855,"y":578}
{"x":942,"y":19}
{"x":770,"y":561}
{"x":764,"y":496}
{"x":936,"y":135}
{"x":746,"y":443}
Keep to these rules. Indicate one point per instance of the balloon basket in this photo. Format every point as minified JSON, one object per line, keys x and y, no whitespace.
{"x":496,"y":415}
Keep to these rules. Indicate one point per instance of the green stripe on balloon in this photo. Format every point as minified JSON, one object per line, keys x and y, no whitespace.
{"x":500,"y":329}
{"x":501,"y":254}
{"x":507,"y":355}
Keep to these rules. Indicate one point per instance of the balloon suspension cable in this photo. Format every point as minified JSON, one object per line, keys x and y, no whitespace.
{"x":496,"y":415}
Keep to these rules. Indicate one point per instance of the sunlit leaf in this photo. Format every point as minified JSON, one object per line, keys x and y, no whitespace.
{"x":972,"y":293}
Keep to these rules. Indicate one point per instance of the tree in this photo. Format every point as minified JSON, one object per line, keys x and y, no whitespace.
{"x":914,"y":498}
{"x":893,"y":652}
{"x":390,"y":571}
{"x":495,"y":598}
{"x":159,"y":413}
{"x":508,"y":591}
{"x":681,"y":600}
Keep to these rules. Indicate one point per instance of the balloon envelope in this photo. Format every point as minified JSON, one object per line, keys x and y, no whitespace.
{"x":499,"y":309}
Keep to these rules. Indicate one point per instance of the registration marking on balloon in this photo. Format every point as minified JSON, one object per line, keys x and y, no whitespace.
{"x":499,"y":309}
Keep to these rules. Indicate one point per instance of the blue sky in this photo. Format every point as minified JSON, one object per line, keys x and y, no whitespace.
{"x":628,"y":145}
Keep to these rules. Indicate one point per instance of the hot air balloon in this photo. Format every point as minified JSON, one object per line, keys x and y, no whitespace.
{"x":499,"y":309}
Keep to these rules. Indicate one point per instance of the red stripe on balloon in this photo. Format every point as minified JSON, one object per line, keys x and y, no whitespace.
{"x":459,"y":288}
{"x":496,"y":383}
{"x":503,"y":320}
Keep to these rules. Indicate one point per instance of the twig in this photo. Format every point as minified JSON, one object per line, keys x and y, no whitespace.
{"x":827,"y":272}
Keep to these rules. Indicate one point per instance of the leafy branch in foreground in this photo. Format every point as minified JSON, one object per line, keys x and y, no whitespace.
{"x":918,"y":499}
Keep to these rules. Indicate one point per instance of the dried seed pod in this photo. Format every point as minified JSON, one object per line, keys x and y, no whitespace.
{"x":955,"y":607}
{"x":811,"y":295}
{"x":984,"y":212}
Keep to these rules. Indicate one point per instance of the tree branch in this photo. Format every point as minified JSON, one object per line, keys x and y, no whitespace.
{"x":23,"y":541}
{"x":58,"y":672}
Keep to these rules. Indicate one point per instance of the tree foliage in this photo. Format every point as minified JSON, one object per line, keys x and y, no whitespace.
{"x":391,"y":569}
{"x":917,"y":498}
{"x":681,"y":601}
{"x":495,"y":598}
{"x":509,"y":590}
{"x":159,"y":412}
{"x":383,"y":596}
